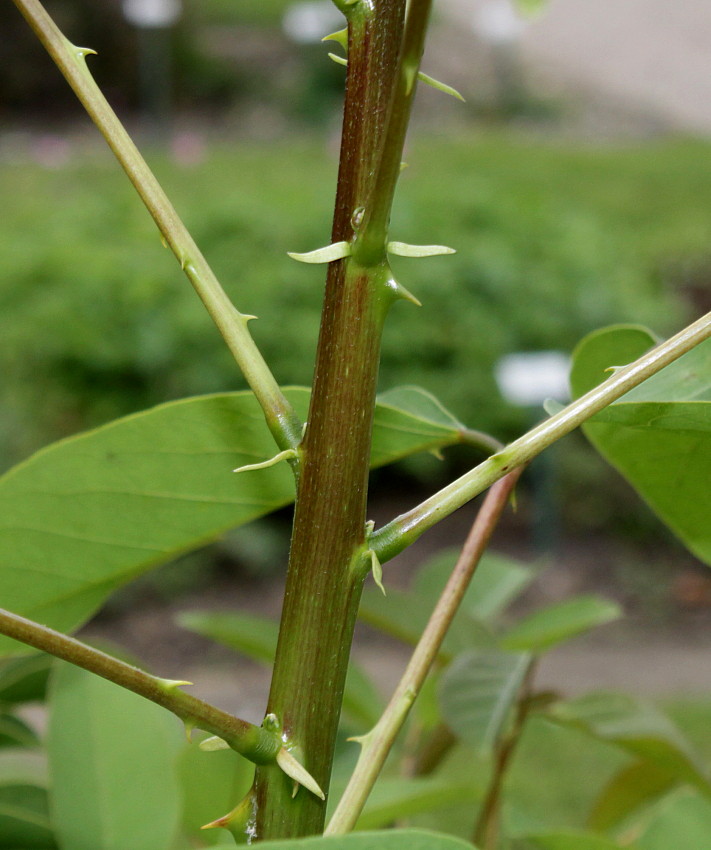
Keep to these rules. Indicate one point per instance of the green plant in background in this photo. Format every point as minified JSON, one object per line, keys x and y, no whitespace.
{"x":86,"y":515}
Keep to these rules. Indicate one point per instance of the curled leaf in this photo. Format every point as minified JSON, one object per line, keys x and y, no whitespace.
{"x":436,"y":84}
{"x":403,"y":249}
{"x":287,"y":454}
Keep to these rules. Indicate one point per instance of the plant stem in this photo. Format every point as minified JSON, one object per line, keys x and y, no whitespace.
{"x":254,"y":743}
{"x":376,"y":745}
{"x":398,"y":534}
{"x":232,"y":324}
{"x":327,"y":564}
{"x":486,"y":831}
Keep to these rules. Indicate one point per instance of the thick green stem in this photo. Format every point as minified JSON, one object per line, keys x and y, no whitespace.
{"x":258,"y":745}
{"x":376,"y":745}
{"x":232,"y":324}
{"x":327,"y":563}
{"x":397,"y":535}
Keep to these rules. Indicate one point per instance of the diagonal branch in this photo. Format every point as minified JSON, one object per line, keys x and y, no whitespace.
{"x":377,"y":743}
{"x":71,"y":61}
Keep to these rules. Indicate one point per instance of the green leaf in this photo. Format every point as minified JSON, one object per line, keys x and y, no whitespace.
{"x":24,"y":679}
{"x":636,"y":727}
{"x":658,"y":435}
{"x":24,"y":818}
{"x":85,"y":515}
{"x":392,"y":839}
{"x":256,"y":637}
{"x":212,"y":784}
{"x":557,"y":623}
{"x":569,"y":840}
{"x":393,"y":799}
{"x":113,"y":762}
{"x":478,"y":691}
{"x":683,"y":820}
{"x":634,"y":786}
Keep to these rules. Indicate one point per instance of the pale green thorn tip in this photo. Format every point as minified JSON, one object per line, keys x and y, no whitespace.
{"x":340,"y":36}
{"x":296,"y":771}
{"x":211,"y":745}
{"x":401,"y":292}
{"x":443,"y":87}
{"x":336,"y":251}
{"x":339,"y":60}
{"x":172,"y":684}
{"x":377,"y":569}
{"x":402,"y":249}
{"x":287,"y":454}
{"x":410,"y":76}
{"x":83,"y":52}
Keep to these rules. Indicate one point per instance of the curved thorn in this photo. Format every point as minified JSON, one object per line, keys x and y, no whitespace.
{"x":340,"y":36}
{"x":287,"y":454}
{"x":296,"y":771}
{"x":339,"y":60}
{"x":403,"y":249}
{"x":211,"y":745}
{"x":336,"y":251}
{"x":436,"y":84}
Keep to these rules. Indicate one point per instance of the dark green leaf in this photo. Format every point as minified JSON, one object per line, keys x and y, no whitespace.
{"x":636,"y":727}
{"x":478,"y":691}
{"x":113,"y":760}
{"x":256,"y":637}
{"x":24,"y":679}
{"x":16,"y":733}
{"x":547,"y":627}
{"x":635,"y":785}
{"x":659,"y":434}
{"x":24,"y":818}
{"x":84,"y":516}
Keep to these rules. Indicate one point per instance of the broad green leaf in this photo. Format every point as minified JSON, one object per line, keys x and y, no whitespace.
{"x":393,"y":799}
{"x":392,"y":839}
{"x":85,"y":515}
{"x":113,"y":762}
{"x":256,"y":637}
{"x":569,"y":840}
{"x":24,"y":818}
{"x":683,"y":820}
{"x":635,"y":785}
{"x":496,"y":582}
{"x":658,"y":435}
{"x":23,"y":767}
{"x":24,"y":679}
{"x":478,"y":691}
{"x":636,"y":727}
{"x":547,"y":627}
{"x":212,"y":783}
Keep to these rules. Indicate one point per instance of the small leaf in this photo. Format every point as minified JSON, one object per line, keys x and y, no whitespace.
{"x":681,"y":820}
{"x":547,"y":627}
{"x":336,"y":251}
{"x":478,"y":691}
{"x":24,"y":679}
{"x":287,"y":454}
{"x":16,"y":733}
{"x":402,"y":249}
{"x":339,"y":60}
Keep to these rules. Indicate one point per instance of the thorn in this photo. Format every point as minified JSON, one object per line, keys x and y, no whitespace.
{"x":339,"y":60}
{"x":402,"y":249}
{"x":287,"y":454}
{"x":172,"y":684}
{"x":437,"y":453}
{"x":296,"y":771}
{"x":376,"y":568}
{"x":340,"y":36}
{"x":336,"y":251}
{"x":237,"y":821}
{"x":83,"y":52}
{"x":211,"y":745}
{"x":401,"y":292}
{"x":410,"y":76}
{"x":443,"y":87}
{"x":403,"y":166}
{"x":189,"y":725}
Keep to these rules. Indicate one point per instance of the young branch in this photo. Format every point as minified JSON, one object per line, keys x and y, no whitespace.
{"x":398,"y":534}
{"x":253,"y":742}
{"x":376,"y":745}
{"x":232,"y":324}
